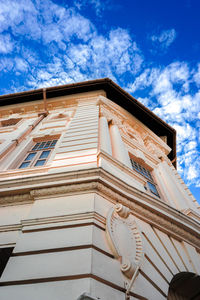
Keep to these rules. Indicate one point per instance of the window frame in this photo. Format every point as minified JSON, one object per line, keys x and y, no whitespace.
{"x":6,"y":127}
{"x":145,"y":173}
{"x":38,"y":151}
{"x":10,"y":122}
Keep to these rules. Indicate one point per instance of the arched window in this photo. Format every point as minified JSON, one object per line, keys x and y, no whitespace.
{"x":184,"y":286}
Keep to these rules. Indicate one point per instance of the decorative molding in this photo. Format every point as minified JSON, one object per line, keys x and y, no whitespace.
{"x":121,"y":166}
{"x":132,"y":133}
{"x":86,"y":296}
{"x":12,"y":227}
{"x":16,"y":199}
{"x":161,"y":222}
{"x":64,"y":189}
{"x":133,"y":129}
{"x":65,"y":219}
{"x":158,"y":149}
{"x":141,"y":204}
{"x":122,"y":210}
{"x":124,"y":239}
{"x":110,"y":115}
{"x":133,"y":145}
{"x":191,"y":213}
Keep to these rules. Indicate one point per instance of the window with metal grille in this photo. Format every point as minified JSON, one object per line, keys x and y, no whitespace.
{"x":150,"y":186}
{"x":38,"y":155}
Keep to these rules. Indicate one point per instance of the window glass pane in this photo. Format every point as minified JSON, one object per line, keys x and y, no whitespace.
{"x":137,"y":167}
{"x":47,"y":144}
{"x":149,"y":175}
{"x":40,"y":163}
{"x":152,"y":188}
{"x":30,"y":156}
{"x":42,"y":145}
{"x":53,"y":143}
{"x":36,"y":146}
{"x":24,"y":165}
{"x":44,"y":154}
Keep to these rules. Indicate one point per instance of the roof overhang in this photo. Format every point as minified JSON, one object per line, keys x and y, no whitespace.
{"x":114,"y":93}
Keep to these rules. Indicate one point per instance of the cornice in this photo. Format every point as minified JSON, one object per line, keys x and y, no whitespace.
{"x":64,"y":220}
{"x":114,"y":111}
{"x":144,"y":206}
{"x":121,"y":166}
{"x":12,"y":227}
{"x":144,"y":137}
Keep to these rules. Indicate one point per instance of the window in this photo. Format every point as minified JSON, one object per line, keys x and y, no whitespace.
{"x":38,"y":154}
{"x":9,"y":122}
{"x":5,"y":254}
{"x":150,"y":186}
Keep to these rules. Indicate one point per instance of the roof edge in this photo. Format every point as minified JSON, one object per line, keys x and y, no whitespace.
{"x":114,"y":92}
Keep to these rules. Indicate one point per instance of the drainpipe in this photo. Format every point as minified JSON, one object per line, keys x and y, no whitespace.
{"x":127,"y":294}
{"x":45,"y":101}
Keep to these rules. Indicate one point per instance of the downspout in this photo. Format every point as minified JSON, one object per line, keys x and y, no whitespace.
{"x":45,"y":101}
{"x":127,"y":294}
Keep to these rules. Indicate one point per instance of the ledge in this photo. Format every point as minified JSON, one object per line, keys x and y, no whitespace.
{"x":149,"y":208}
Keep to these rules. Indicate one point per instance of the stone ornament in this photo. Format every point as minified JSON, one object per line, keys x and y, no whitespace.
{"x":124,"y":239}
{"x":86,"y":296}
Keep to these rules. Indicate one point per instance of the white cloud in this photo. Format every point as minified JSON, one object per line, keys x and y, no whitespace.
{"x":53,"y":44}
{"x":6,"y":64}
{"x":98,"y":5}
{"x":175,"y":98}
{"x":192,"y":173}
{"x":21,"y":65}
{"x":69,"y":35}
{"x":196,"y":76}
{"x":6,"y":45}
{"x":164,"y":39}
{"x":101,"y":56}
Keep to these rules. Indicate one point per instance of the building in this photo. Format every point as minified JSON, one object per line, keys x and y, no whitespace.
{"x":91,"y":204}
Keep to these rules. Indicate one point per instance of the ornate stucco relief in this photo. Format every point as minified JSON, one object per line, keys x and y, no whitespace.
{"x":132,"y":133}
{"x":157,"y":149}
{"x":86,"y":296}
{"x":16,"y":199}
{"x":143,"y":206}
{"x":139,"y":139}
{"x":124,"y":239}
{"x":111,"y":116}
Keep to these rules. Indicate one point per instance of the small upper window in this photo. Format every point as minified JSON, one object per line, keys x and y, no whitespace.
{"x":38,"y":155}
{"x":150,"y":186}
{"x":9,"y":122}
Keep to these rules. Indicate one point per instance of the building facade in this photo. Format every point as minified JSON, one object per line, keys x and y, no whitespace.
{"x":91,"y":204}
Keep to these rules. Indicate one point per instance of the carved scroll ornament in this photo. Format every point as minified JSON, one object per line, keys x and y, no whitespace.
{"x":124,"y":239}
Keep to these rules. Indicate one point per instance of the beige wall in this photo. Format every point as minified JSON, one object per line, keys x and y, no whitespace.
{"x":57,"y":216}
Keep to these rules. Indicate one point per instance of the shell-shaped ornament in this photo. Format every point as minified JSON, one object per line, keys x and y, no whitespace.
{"x":124,"y":239}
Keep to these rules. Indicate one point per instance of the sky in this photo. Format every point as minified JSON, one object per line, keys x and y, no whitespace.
{"x":150,"y":48}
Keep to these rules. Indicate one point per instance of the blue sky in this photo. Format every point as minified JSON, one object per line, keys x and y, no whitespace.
{"x":150,"y":48}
